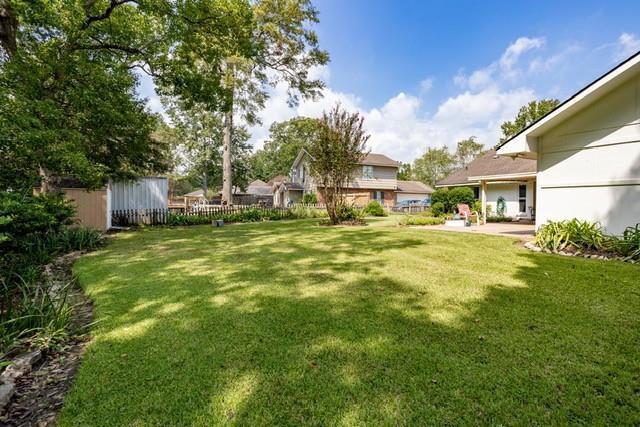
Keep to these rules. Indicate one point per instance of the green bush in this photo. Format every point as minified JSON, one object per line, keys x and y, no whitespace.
{"x":460,"y":195}
{"x":438,"y":208}
{"x":575,"y":234}
{"x":302,"y":212}
{"x":34,"y":229}
{"x":421,"y":220}
{"x":349,"y":213}
{"x":450,"y":198}
{"x":499,"y":219}
{"x":310,"y":198}
{"x":374,"y":208}
{"x":628,"y":245}
{"x":440,"y":197}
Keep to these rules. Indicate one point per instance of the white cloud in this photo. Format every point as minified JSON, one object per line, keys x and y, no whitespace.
{"x":511,"y":56}
{"x":503,"y":70}
{"x":627,"y":45}
{"x":426,"y":85}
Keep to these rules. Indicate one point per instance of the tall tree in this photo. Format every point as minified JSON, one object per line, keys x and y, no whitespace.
{"x":405,"y":172}
{"x":433,"y":165}
{"x":336,"y":150}
{"x":527,"y":115}
{"x":467,"y":150}
{"x":198,"y":147}
{"x":285,"y":48}
{"x":280,"y":150}
{"x":67,"y":103}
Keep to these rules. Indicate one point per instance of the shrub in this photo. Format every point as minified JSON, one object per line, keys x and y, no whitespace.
{"x":438,"y":208}
{"x":628,"y":245}
{"x":451,"y":198}
{"x":441,"y":197}
{"x":33,"y":230}
{"x":374,"y":209}
{"x":460,"y":195}
{"x":302,"y":212}
{"x":421,"y":220}
{"x":499,"y":218}
{"x":576,"y":234}
{"x":310,"y":199}
{"x":349,"y":213}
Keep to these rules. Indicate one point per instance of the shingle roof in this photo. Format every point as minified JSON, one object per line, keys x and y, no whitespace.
{"x":277,"y":179}
{"x":489,"y":164}
{"x":379,"y":160}
{"x":413,"y":187}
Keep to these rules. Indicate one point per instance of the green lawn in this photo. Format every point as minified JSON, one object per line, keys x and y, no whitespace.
{"x":290,"y":323}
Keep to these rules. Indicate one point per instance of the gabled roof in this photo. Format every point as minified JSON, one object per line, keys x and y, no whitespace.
{"x":525,"y":141}
{"x":277,"y":179}
{"x":375,"y":159}
{"x":413,"y":187}
{"x":259,"y":187}
{"x":489,"y":165}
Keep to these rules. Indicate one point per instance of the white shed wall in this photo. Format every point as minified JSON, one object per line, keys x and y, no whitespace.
{"x":589,"y":166}
{"x":145,"y":193}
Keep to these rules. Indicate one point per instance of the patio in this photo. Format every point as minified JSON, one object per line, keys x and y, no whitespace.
{"x":510,"y":229}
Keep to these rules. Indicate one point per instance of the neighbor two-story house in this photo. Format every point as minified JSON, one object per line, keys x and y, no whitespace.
{"x":375,"y":178}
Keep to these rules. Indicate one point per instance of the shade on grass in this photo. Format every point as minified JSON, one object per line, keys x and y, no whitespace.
{"x":291,"y":323}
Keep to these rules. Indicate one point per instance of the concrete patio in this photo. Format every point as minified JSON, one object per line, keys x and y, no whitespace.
{"x":516,"y":230}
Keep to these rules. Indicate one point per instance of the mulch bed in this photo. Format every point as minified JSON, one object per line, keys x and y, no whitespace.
{"x":39,"y":394}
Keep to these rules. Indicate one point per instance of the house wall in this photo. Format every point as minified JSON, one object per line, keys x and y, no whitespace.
{"x":510,"y":192}
{"x":91,"y":207}
{"x":384,"y":178}
{"x":360,"y":197}
{"x":589,"y":165}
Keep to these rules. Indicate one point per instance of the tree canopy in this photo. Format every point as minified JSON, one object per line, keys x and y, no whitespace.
{"x":280,"y":150}
{"x":67,"y":90}
{"x":527,"y":115}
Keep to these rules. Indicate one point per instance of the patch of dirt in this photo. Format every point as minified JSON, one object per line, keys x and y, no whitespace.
{"x":40,"y":393}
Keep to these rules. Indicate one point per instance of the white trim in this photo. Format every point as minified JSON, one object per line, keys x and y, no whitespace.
{"x":503,"y":177}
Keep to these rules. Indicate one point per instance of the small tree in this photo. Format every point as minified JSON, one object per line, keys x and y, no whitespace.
{"x":335,"y":151}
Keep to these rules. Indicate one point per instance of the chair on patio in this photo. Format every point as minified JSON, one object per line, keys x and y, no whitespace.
{"x":465,"y":212}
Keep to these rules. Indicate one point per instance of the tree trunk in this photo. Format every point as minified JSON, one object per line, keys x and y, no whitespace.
{"x":205,"y":184}
{"x":227,"y":185}
{"x":8,"y":29}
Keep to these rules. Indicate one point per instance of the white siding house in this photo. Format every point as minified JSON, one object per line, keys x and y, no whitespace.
{"x":588,"y":153}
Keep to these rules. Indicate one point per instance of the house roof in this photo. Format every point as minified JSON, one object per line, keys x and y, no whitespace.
{"x":196,"y":193}
{"x":413,"y":187}
{"x":259,"y":187}
{"x":277,"y":179}
{"x":489,"y":165}
{"x":375,"y":159}
{"x":524,"y":143}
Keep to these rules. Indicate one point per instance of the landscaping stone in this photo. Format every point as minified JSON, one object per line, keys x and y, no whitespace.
{"x":20,"y":366}
{"x":6,"y":392}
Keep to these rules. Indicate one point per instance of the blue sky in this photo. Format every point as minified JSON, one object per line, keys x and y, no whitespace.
{"x":428,"y":73}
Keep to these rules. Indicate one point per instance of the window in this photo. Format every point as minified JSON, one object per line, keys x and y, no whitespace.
{"x":378,"y":196}
{"x":476,"y":192}
{"x":522,"y":198}
{"x":367,"y":172}
{"x":302,"y":173}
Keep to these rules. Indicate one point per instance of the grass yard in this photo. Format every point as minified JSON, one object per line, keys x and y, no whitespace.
{"x":289,"y":323}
